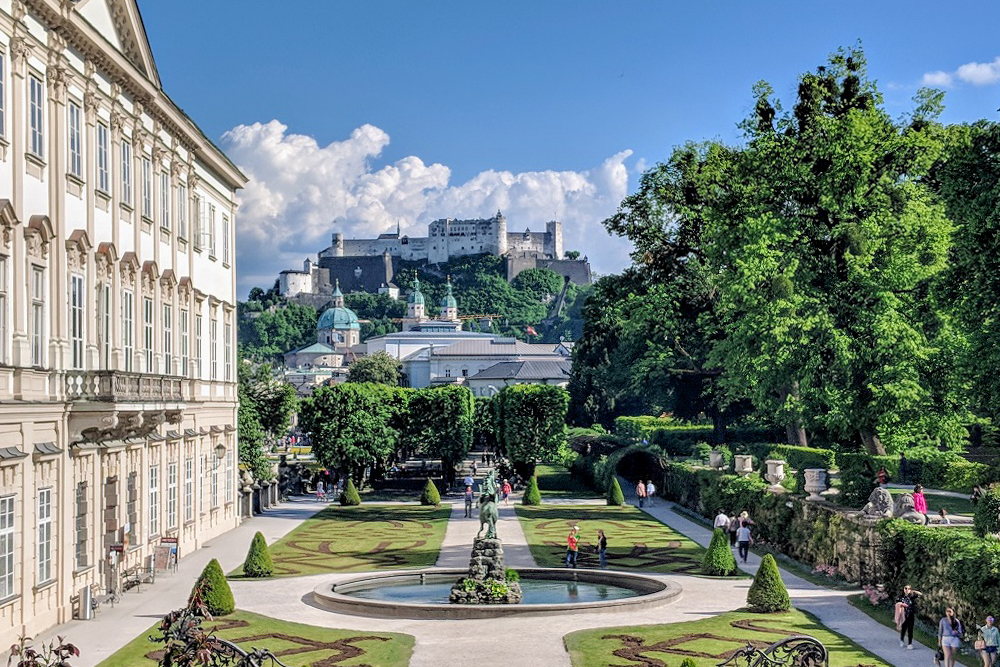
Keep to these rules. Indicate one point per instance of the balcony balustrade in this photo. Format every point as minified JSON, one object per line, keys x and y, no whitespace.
{"x":120,"y":387}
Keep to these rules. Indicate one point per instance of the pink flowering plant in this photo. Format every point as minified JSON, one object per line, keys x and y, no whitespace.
{"x":825,"y":570}
{"x":875,"y":595}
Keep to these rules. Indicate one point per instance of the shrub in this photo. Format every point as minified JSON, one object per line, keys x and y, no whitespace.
{"x":215,"y":591}
{"x":510,"y":574}
{"x":258,"y":562}
{"x":430,"y":495}
{"x":615,"y":495}
{"x":767,"y":592}
{"x":532,"y":496}
{"x":688,"y":662}
{"x":680,"y":440}
{"x":987,"y":519}
{"x":637,"y":428}
{"x":857,"y":479}
{"x":350,"y":495}
{"x":797,"y":458}
{"x":719,"y":560}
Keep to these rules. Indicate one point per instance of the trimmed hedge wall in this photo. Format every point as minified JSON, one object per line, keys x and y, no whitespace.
{"x":798,"y":458}
{"x":642,"y":427}
{"x":932,"y":468}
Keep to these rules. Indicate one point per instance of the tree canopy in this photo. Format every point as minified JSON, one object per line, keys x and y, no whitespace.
{"x":378,"y":368}
{"x":531,"y":423}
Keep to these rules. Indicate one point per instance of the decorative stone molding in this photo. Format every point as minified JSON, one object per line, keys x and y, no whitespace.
{"x":193,"y":179}
{"x":118,"y":119}
{"x":184,"y":290}
{"x":37,"y":234}
{"x":104,"y":259}
{"x":150,"y":273}
{"x":177,"y":167}
{"x":7,"y":221}
{"x":77,"y":248}
{"x":18,"y":10}
{"x":20,"y":50}
{"x":129,"y":270}
{"x":167,"y":284}
{"x":55,"y":76}
{"x":159,"y":152}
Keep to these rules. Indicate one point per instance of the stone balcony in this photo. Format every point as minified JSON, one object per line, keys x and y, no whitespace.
{"x":118,"y":387}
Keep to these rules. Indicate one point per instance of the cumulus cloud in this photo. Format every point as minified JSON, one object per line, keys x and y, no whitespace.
{"x":978,"y":74}
{"x":300,"y":192}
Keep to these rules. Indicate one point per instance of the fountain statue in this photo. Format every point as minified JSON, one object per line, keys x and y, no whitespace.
{"x":488,"y":512}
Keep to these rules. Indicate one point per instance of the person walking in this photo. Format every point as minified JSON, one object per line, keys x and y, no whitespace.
{"x":650,"y":492}
{"x":505,"y":490}
{"x":640,"y":492}
{"x":721,"y":521}
{"x":919,"y":500}
{"x":572,"y":546}
{"x":906,"y":605}
{"x":950,"y":633}
{"x":602,"y":551}
{"x":744,"y":540}
{"x":320,"y":490}
{"x":469,"y":497}
{"x":734,"y":525}
{"x":990,"y":641}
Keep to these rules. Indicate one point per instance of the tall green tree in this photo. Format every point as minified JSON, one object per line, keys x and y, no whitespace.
{"x":274,"y":401}
{"x":355,"y":427}
{"x":531,"y":423}
{"x":825,"y":240}
{"x":250,"y":436}
{"x":378,"y":368}
{"x":439,"y":422}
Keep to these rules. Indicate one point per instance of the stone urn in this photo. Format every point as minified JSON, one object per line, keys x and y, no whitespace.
{"x":744,"y":464}
{"x":715,"y":459}
{"x":775,"y":474}
{"x":815,"y":483}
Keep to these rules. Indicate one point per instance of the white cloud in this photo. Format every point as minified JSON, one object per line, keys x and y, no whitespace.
{"x":300,"y":192}
{"x":938,"y":78}
{"x":978,"y":74}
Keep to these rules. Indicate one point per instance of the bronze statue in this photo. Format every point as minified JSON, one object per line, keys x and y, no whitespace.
{"x":488,"y":512}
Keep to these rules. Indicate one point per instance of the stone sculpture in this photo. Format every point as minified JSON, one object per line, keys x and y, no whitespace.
{"x":488,"y":512}
{"x":879,"y":505}
{"x":486,"y":582}
{"x":905,"y":510}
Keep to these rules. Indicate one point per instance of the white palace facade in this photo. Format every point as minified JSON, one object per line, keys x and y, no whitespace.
{"x":117,"y":312}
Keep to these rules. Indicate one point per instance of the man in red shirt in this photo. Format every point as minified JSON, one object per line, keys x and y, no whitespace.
{"x":572,"y":546}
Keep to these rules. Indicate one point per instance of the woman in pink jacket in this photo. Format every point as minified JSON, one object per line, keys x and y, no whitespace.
{"x":919,"y":501}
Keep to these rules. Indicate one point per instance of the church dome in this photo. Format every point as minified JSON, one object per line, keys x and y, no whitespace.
{"x":416,"y":297}
{"x":449,"y":299}
{"x":338,"y":318}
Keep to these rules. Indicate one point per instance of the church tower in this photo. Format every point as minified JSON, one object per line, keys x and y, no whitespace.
{"x":449,"y":307}
{"x":415,"y":313}
{"x":338,"y":296}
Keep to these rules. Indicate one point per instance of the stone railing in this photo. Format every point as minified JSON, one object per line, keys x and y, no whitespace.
{"x":116,"y":387}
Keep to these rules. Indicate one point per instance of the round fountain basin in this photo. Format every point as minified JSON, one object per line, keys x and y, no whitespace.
{"x":424,"y":594}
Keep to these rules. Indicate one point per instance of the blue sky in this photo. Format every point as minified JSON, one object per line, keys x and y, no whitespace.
{"x":415,"y":110}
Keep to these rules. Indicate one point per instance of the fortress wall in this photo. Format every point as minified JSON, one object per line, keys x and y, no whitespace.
{"x":534,"y":242}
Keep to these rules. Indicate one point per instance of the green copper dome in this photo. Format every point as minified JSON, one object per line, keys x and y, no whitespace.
{"x":338,"y":318}
{"x":416,"y":298}
{"x":449,"y":299}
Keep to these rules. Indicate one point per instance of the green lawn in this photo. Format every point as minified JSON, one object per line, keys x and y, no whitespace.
{"x":554,"y":481}
{"x":292,"y":643}
{"x":954,"y":506}
{"x":708,"y":642}
{"x":636,"y":541}
{"x":362,"y":538}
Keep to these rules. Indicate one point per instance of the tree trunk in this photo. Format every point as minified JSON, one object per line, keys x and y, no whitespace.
{"x":795,"y":432}
{"x":873,"y":444}
{"x":718,"y":427}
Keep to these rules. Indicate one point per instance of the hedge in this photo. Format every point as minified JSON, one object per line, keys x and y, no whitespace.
{"x":215,"y":591}
{"x":767,"y":593}
{"x":798,"y":458}
{"x":350,"y":496}
{"x":532,"y":494}
{"x":932,"y":468}
{"x":258,"y":562}
{"x":719,"y":560}
{"x":637,"y":428}
{"x":987,"y":518}
{"x":430,"y":495}
{"x":615,"y":496}
{"x":680,"y":440}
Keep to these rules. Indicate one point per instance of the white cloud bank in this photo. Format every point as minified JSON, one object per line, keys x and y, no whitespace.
{"x":300,"y":192}
{"x":978,"y":74}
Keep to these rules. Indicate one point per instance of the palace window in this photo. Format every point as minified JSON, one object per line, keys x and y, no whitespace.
{"x":147,"y":187}
{"x":36,"y":117}
{"x":132,"y":505}
{"x":198,"y":221}
{"x":225,"y":240}
{"x":44,"y":537}
{"x":6,"y":547}
{"x":38,"y":341}
{"x":188,"y":490}
{"x":215,"y":482}
{"x":168,"y":339}
{"x":184,"y":342}
{"x":104,"y":292}
{"x":103,"y":166}
{"x":128,"y":328}
{"x":181,"y":212}
{"x":3,"y":111}
{"x":74,"y":116}
{"x":171,"y":496}
{"x":154,"y":500}
{"x":165,"y":200}
{"x":82,"y":532}
{"x":213,"y":348}
{"x":147,"y":327}
{"x":210,"y":230}
{"x":229,"y":474}
{"x":228,"y":347}
{"x":127,"y":172}
{"x":3,"y":314}
{"x":197,"y":343}
{"x":76,"y":320}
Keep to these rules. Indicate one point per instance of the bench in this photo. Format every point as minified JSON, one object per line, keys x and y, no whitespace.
{"x":134,"y":577}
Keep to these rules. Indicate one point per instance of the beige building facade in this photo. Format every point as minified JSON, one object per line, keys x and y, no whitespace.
{"x":117,"y":312}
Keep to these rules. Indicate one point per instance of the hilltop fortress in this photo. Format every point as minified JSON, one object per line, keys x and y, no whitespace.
{"x":368,"y":265}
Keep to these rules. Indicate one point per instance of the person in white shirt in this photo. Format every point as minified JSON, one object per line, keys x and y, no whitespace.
{"x":743,"y":540}
{"x":721,"y":521}
{"x":650,"y":492}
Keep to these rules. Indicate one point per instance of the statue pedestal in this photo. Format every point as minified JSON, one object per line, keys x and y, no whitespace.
{"x":486,"y":582}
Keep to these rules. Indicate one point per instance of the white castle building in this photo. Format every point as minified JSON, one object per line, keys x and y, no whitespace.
{"x":117,"y":313}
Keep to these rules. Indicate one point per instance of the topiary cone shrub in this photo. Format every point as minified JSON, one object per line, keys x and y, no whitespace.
{"x":215,"y":591}
{"x":768,"y":593}
{"x":615,"y":495}
{"x":532,"y":496}
{"x":258,"y":563}
{"x":350,"y":495}
{"x":719,"y":560}
{"x":430,"y":495}
{"x":987,"y":517}
{"x":688,"y":662}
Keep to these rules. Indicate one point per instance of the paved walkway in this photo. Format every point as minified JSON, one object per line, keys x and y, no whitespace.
{"x":829,"y":605}
{"x":113,"y":627}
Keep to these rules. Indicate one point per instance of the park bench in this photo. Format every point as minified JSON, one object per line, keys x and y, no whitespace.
{"x":134,"y":577}
{"x":794,"y":651}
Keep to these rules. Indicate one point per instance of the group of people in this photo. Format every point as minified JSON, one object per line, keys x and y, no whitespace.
{"x":573,"y":547}
{"x":738,"y":528}
{"x":645,"y":491}
{"x":470,"y":496}
{"x":950,"y":631}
